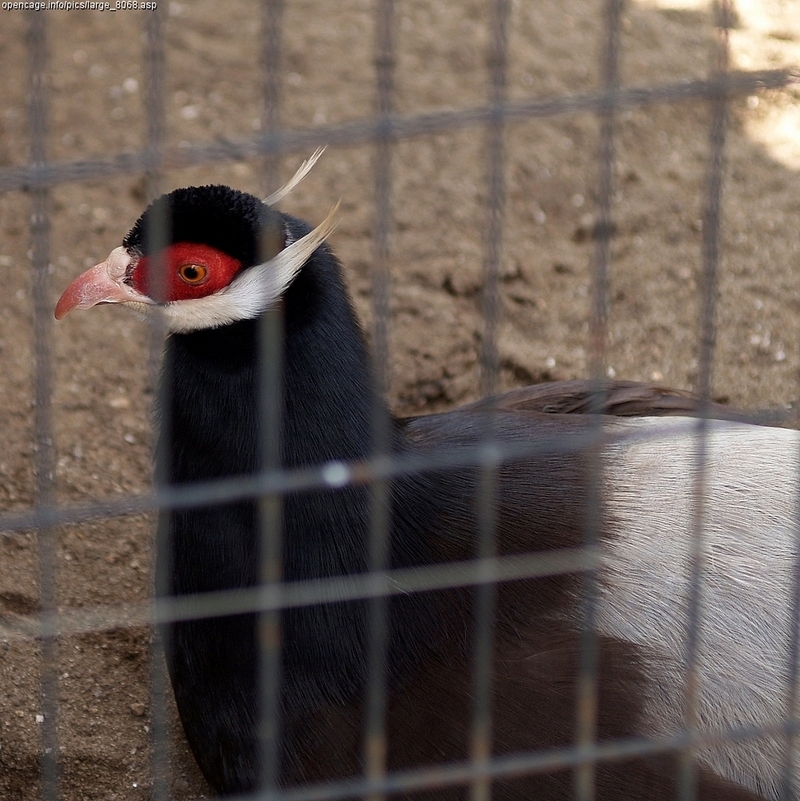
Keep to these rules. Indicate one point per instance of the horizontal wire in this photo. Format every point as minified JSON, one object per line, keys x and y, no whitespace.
{"x":328,"y":476}
{"x":333,"y":475}
{"x":400,"y":126}
{"x":291,"y":595}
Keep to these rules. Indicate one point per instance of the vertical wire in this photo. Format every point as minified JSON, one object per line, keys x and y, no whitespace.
{"x":157,"y":237}
{"x":44,"y":461}
{"x":586,"y":711}
{"x":270,"y":506}
{"x":788,"y":789}
{"x":497,"y":64}
{"x":375,"y":744}
{"x":485,"y":593}
{"x":788,"y":780}
{"x":272,"y":96}
{"x":271,"y":550}
{"x":687,"y":777}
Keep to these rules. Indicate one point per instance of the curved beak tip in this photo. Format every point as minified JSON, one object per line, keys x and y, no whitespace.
{"x":90,"y":288}
{"x":75,"y":296}
{"x":63,"y":307}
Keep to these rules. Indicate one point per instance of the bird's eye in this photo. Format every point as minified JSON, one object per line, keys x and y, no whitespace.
{"x":193,"y":274}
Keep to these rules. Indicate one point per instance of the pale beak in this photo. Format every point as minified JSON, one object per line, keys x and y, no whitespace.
{"x":103,"y":283}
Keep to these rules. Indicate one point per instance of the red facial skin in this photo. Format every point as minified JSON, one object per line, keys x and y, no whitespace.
{"x":193,"y":271}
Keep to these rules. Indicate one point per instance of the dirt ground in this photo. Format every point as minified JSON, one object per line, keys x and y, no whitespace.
{"x":102,"y":395}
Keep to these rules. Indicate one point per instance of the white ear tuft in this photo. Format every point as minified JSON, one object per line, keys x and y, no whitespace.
{"x":276,"y":274}
{"x":303,"y":170}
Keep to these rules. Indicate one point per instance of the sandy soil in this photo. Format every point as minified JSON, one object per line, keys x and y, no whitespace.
{"x":102,"y":393}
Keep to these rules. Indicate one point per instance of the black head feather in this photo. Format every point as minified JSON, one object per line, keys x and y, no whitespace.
{"x":234,"y":222}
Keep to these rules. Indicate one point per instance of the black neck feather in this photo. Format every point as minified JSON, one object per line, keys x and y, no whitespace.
{"x":328,"y":398}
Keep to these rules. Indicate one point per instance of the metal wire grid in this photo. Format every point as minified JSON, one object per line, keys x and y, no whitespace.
{"x":483,"y":573}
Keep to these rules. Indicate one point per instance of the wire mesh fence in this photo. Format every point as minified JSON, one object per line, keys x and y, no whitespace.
{"x":52,"y":622}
